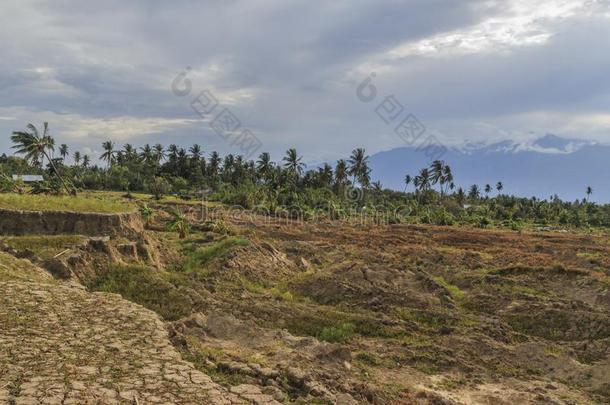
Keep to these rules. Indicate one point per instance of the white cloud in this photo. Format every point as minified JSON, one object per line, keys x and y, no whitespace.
{"x":520,"y":23}
{"x":471,"y":69}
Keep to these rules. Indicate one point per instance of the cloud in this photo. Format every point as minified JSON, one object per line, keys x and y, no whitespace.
{"x":470,"y":70}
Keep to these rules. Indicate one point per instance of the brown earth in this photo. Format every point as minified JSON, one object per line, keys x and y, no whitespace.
{"x":434,"y":313}
{"x":341,"y":313}
{"x":62,"y":345}
{"x":18,"y":222}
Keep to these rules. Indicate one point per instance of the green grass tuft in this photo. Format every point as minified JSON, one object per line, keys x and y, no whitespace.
{"x":147,"y":287}
{"x":199,"y":257}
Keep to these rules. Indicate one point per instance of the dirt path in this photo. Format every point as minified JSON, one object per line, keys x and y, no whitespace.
{"x":62,"y":345}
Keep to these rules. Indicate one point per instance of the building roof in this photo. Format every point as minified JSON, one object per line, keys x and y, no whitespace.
{"x":28,"y":177}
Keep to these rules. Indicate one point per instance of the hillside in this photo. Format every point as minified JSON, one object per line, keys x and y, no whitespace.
{"x":269,"y":309}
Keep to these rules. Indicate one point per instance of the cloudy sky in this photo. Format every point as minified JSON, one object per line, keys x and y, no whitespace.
{"x":470,"y":71}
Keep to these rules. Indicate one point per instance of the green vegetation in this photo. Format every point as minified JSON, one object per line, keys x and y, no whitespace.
{"x":97,"y":203}
{"x":198,"y":257}
{"x":179,"y":223}
{"x":169,"y":293}
{"x":147,"y":287}
{"x":287,"y":189}
{"x":339,"y":333}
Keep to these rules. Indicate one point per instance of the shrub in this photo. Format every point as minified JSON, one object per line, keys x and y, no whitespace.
{"x":337,"y":334}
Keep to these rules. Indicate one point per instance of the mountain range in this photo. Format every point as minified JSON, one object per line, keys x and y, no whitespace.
{"x":542,"y":167}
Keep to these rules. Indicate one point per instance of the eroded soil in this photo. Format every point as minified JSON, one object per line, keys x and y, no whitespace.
{"x":274,"y":310}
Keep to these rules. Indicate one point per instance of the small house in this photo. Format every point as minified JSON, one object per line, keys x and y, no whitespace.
{"x":28,"y":178}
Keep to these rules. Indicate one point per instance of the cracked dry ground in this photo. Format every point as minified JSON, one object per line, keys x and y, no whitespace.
{"x":62,"y":345}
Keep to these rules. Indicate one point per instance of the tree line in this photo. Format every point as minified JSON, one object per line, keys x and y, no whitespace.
{"x":158,"y":170}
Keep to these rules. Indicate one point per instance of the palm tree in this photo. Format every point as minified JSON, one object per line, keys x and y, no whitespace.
{"x":195,"y":152}
{"x":422,"y":181}
{"x":589,"y":191}
{"x":264,"y":165}
{"x":447,"y":178}
{"x":341,"y":174}
{"x":499,"y":186}
{"x":108,"y":154}
{"x":487,"y":190}
{"x":77,"y":158}
{"x":293,"y":162}
{"x":172,"y":151}
{"x":408,"y":180}
{"x":147,"y":154}
{"x":63,"y":151}
{"x":358,"y":167}
{"x":130,"y":152}
{"x":86,"y":161}
{"x":474,"y":192}
{"x":159,"y":152}
{"x":35,"y":146}
{"x":436,"y":174}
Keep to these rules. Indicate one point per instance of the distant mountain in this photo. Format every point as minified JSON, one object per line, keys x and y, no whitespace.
{"x":540,"y":168}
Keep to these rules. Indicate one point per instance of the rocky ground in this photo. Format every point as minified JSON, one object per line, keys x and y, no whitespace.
{"x":266,"y":310}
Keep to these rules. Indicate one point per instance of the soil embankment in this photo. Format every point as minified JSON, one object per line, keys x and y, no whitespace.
{"x":17,"y":222}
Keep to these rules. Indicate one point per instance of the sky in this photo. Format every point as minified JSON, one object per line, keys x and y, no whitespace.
{"x":292,"y":72}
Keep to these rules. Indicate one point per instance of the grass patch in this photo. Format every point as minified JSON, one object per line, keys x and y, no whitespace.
{"x":368,"y":359}
{"x":85,"y":202}
{"x":589,"y":255}
{"x":198,"y":257}
{"x":147,"y":287}
{"x":455,"y":292}
{"x":337,"y":334}
{"x":13,"y":269}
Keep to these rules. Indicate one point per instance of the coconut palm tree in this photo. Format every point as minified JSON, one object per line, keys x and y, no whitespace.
{"x":147,"y":154}
{"x":108,"y":154}
{"x":447,"y":178}
{"x":408,"y":180}
{"x":499,"y":186}
{"x":340,"y":174}
{"x":63,"y":151}
{"x":487,"y":190}
{"x":77,"y":158}
{"x":159,"y":152}
{"x":130,"y":153}
{"x":195,"y":152}
{"x":358,"y":166}
{"x":422,"y":181}
{"x":36,"y":146}
{"x":436,"y":174}
{"x":292,"y":162}
{"x":86,"y":161}
{"x":589,"y":191}
{"x":474,"y":193}
{"x":264,"y":166}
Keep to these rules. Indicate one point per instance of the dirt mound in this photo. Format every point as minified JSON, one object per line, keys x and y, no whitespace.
{"x":13,"y":222}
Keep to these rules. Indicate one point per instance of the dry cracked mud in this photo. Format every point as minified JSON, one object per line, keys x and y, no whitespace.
{"x":60,"y":344}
